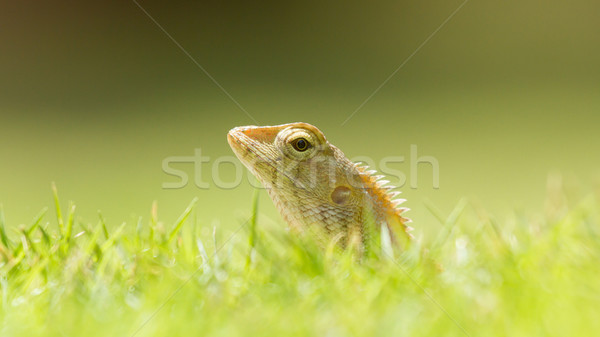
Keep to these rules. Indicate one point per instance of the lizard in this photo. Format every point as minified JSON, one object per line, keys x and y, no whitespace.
{"x":315,"y":186}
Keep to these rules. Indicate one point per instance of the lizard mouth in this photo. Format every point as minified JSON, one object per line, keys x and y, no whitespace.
{"x":251,"y":152}
{"x":233,"y":139}
{"x":240,"y":143}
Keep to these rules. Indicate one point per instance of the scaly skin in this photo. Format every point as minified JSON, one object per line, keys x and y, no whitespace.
{"x":312,"y":183}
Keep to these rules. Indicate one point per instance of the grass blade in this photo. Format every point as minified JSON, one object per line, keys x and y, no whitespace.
{"x":69,"y":227}
{"x":3,"y":236}
{"x":104,"y":229}
{"x":153,"y":221}
{"x":113,"y":238}
{"x":182,"y":219}
{"x":59,"y":217}
{"x":252,"y":235}
{"x":37,"y":220}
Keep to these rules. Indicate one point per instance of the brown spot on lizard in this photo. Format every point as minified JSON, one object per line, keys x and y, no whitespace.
{"x":313,"y":185}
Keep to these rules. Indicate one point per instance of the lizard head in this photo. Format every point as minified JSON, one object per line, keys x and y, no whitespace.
{"x":309,"y":179}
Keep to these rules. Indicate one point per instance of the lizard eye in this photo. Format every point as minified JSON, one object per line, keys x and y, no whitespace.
{"x":300,"y":144}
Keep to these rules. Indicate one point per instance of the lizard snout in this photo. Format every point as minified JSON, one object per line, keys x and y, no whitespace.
{"x":265,"y":134}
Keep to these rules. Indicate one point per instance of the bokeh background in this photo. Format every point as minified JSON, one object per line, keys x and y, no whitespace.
{"x":94,"y":95}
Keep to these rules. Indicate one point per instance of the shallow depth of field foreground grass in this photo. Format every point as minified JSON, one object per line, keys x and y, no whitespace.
{"x":522,"y":276}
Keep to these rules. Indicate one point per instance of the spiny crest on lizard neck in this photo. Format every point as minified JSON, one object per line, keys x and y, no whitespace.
{"x":313,"y":184}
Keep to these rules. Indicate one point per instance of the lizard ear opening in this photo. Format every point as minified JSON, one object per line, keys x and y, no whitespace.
{"x":340,"y":195}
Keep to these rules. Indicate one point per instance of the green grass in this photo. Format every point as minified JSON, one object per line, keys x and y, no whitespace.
{"x":522,"y":276}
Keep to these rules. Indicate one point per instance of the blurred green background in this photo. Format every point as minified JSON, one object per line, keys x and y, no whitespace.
{"x":94,"y":96}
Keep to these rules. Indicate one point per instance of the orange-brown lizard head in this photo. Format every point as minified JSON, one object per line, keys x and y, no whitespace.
{"x":310,"y":181}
